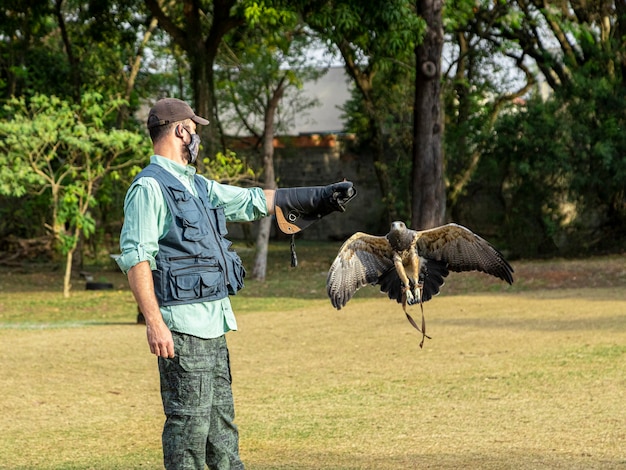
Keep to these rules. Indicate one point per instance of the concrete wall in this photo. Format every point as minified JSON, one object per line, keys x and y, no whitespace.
{"x":321,"y":160}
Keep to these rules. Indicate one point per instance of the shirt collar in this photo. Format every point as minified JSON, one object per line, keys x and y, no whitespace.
{"x":175,"y":168}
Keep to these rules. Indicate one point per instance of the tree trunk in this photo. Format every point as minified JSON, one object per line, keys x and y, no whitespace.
{"x":428,"y":201}
{"x":202,"y":80}
{"x":72,"y":59}
{"x":269,"y":182}
{"x":259,"y":271}
{"x":67,"y":278}
{"x":122,"y":114}
{"x":69,"y":259}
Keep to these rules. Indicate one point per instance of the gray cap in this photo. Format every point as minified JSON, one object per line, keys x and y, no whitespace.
{"x":170,"y":110}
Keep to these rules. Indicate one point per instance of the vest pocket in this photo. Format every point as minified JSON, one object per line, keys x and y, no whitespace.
{"x":221,"y":221}
{"x":236,"y":272}
{"x":196,"y":282}
{"x":190,"y":220}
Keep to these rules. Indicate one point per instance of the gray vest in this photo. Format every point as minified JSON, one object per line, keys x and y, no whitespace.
{"x":194,"y":262}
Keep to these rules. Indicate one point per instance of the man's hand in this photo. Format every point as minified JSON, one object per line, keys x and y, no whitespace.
{"x":339,"y":194}
{"x":159,"y":336}
{"x":297,"y":208}
{"x":160,"y":339}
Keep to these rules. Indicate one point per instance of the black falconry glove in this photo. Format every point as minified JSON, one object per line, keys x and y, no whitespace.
{"x":297,"y":208}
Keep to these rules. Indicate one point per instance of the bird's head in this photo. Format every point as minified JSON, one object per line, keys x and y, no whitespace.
{"x":399,"y":237}
{"x":398,"y":226}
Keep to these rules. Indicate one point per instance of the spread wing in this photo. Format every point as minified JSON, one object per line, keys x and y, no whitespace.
{"x":361,"y":260}
{"x":463,"y":250}
{"x":432,"y":274}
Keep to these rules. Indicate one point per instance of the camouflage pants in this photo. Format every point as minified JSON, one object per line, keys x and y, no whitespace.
{"x":198,"y":404}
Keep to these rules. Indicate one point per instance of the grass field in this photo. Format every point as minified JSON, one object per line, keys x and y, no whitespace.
{"x":531,"y":376}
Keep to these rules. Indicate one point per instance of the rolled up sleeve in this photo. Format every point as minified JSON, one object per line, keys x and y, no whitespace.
{"x":144,"y":219}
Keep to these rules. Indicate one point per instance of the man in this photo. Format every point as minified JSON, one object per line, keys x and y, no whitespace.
{"x":181,"y":272}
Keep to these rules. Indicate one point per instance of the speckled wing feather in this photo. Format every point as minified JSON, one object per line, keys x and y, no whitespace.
{"x":463,"y":250}
{"x":360,"y":261}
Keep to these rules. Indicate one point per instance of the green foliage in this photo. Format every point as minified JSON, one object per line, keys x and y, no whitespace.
{"x":391,"y":91}
{"x":51,"y":146}
{"x":48,"y":141}
{"x":227,"y":167}
{"x":565,"y":152}
{"x":458,"y":13}
{"x":24,"y":217}
{"x":377,"y":41}
{"x":260,"y":14}
{"x":377,"y":34}
{"x":555,"y":168}
{"x":82,"y":46}
{"x":71,"y":214}
{"x":263,"y":66}
{"x":566,"y":169}
{"x":400,"y":29}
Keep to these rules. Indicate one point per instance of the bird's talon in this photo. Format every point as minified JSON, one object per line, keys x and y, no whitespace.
{"x":415,"y":296}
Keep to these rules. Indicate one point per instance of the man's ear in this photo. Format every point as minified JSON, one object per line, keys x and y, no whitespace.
{"x":178,"y":130}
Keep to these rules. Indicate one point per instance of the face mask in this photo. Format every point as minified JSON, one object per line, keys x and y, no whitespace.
{"x":193,"y":147}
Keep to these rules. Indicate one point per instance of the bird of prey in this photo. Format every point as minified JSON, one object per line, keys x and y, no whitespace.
{"x":410,"y":265}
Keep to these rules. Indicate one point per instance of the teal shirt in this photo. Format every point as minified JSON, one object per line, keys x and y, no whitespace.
{"x":147,"y":219}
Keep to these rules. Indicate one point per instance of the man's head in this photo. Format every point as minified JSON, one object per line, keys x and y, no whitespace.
{"x":171,"y":110}
{"x":175,"y":118}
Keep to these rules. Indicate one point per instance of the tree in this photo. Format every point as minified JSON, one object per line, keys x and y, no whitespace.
{"x":428,"y":201}
{"x":264,"y":70}
{"x":52,"y":145}
{"x":64,"y":47}
{"x":198,"y":28}
{"x":480,"y":81}
{"x":25,"y":27}
{"x":107,"y":40}
{"x":577,"y":52}
{"x":131,"y":77}
{"x":371,"y":37}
